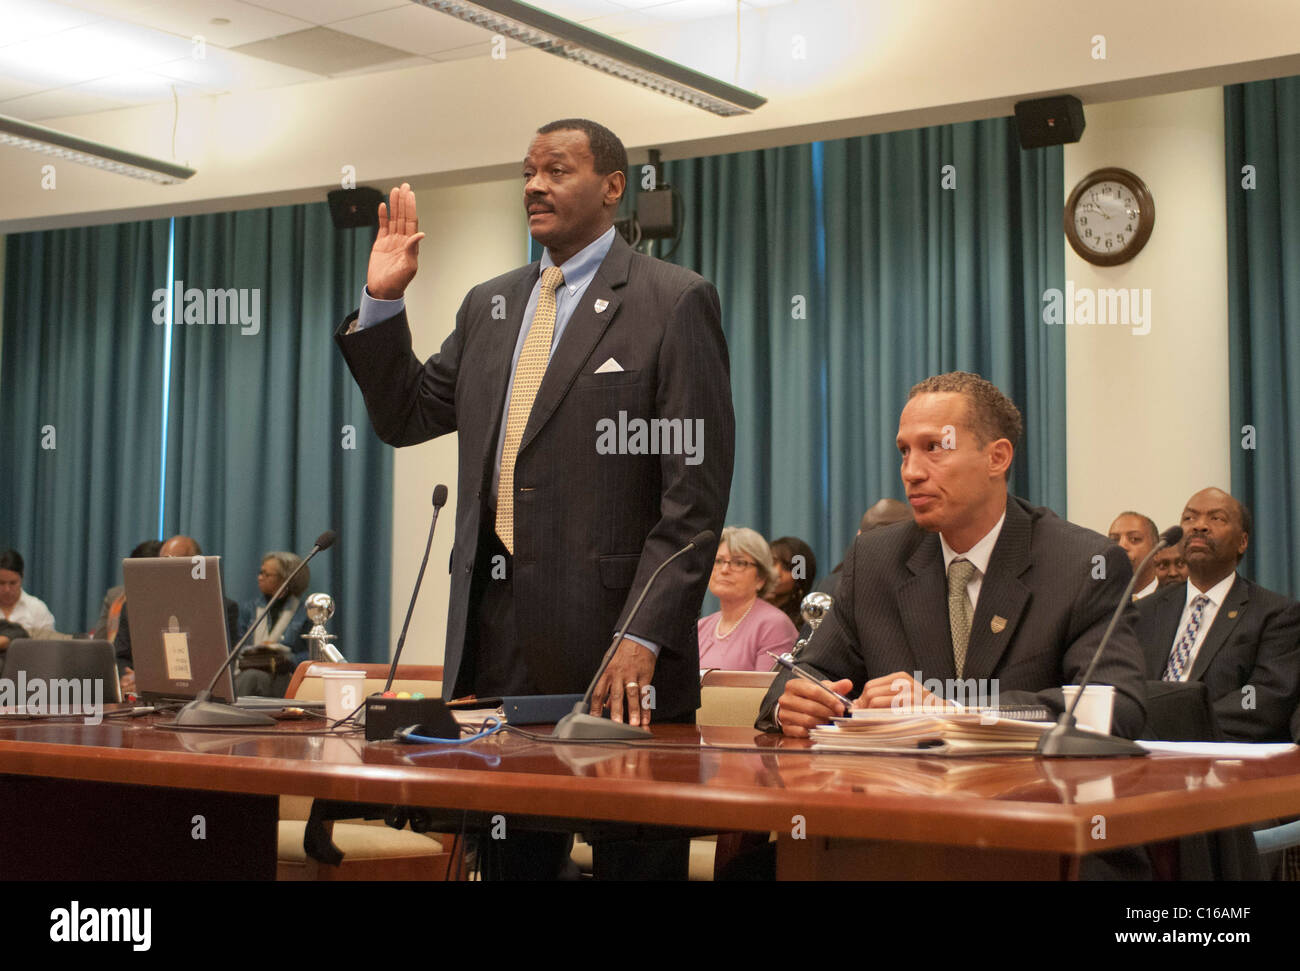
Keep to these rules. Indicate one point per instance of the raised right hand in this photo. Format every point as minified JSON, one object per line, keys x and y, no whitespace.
{"x":396,"y":254}
{"x":804,"y":705}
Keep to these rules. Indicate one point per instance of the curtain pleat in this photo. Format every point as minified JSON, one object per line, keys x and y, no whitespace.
{"x":1262,"y":150}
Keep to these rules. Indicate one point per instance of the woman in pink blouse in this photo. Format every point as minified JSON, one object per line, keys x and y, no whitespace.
{"x":737,"y":637}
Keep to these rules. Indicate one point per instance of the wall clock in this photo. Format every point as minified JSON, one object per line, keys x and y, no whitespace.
{"x":1109,"y":216}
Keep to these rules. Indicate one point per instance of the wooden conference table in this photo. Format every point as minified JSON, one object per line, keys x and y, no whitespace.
{"x":129,"y":799}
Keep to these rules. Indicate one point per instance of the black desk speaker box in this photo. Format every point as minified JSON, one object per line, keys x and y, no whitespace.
{"x":384,"y":716}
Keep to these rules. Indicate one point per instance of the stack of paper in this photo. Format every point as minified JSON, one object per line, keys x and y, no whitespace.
{"x":930,"y":732}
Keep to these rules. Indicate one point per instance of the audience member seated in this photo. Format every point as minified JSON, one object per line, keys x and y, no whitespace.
{"x":796,"y":569}
{"x":110,"y":613}
{"x":1241,"y":640}
{"x":980,"y":592}
{"x":9,"y":632}
{"x":1170,"y":566}
{"x":883,"y":513}
{"x":1138,"y":535}
{"x":176,"y":546}
{"x":16,"y":605}
{"x":276,"y":647}
{"x":737,"y":636}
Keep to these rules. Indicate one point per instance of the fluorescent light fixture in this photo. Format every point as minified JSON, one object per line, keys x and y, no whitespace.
{"x":563,"y":38}
{"x":61,"y":145}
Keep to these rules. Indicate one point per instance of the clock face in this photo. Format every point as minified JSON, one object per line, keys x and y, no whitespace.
{"x":1109,"y":216}
{"x":1106,"y":217}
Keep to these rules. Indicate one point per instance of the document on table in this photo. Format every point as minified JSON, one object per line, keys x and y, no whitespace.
{"x":1220,"y":750}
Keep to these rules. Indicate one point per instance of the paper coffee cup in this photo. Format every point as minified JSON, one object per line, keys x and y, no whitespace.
{"x":343,"y":692}
{"x":1095,"y":708}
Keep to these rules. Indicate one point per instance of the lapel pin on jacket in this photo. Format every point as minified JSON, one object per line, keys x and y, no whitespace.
{"x":1232,"y":615}
{"x":601,"y":304}
{"x":998,"y":624}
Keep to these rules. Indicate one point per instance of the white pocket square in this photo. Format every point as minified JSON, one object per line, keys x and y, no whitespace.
{"x":609,"y":367}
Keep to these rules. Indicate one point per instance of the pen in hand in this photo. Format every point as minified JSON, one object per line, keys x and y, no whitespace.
{"x":798,"y":672}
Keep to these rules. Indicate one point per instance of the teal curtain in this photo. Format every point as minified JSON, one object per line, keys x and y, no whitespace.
{"x":847,"y":272}
{"x":1262,"y":131}
{"x":270,"y":444}
{"x":80,"y":429}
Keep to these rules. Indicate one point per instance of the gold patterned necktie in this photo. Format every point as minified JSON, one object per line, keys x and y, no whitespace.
{"x":529,"y":372}
{"x":959,"y":609}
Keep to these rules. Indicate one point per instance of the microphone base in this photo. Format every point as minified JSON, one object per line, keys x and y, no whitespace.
{"x":214,"y":713}
{"x":582,"y":726}
{"x":1070,"y":741}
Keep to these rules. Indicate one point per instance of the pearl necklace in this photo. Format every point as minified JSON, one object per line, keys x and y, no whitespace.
{"x":717,"y":633}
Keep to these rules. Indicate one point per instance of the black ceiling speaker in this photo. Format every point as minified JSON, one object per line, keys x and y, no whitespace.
{"x":1049,"y":121}
{"x":351,"y":208}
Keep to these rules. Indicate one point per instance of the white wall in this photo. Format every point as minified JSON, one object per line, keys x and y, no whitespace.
{"x":474,"y":232}
{"x":1147,"y":423}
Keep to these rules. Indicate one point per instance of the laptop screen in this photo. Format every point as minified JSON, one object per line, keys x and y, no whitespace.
{"x":177,"y":618}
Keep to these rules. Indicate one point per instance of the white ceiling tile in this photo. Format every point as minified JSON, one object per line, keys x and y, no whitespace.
{"x":328,"y":11}
{"x":417,"y":29}
{"x":58,"y":103}
{"x":87,"y":52}
{"x":687,"y":10}
{"x":390,"y":66}
{"x":12,"y":88}
{"x":621,"y":23}
{"x":232,"y":71}
{"x":578,"y":10}
{"x":188,"y":18}
{"x":26,"y":19}
{"x":137,"y":87}
{"x":115,"y":9}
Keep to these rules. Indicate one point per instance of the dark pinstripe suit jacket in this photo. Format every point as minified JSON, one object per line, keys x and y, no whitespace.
{"x":1254,"y":640}
{"x":590,"y":528}
{"x":891,"y":614}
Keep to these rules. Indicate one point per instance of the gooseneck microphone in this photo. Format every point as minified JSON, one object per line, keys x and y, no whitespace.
{"x":203,"y":710}
{"x":580,"y":723}
{"x":1066,"y":738}
{"x":439,"y":500}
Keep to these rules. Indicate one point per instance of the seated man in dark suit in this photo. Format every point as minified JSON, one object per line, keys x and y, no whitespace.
{"x":983,"y":592}
{"x":1170,"y":566}
{"x":176,"y":546}
{"x":1241,"y":640}
{"x":1138,"y":536}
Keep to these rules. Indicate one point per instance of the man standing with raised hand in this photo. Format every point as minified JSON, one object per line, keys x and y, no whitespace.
{"x":554,"y":538}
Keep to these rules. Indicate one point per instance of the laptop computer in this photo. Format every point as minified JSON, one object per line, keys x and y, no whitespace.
{"x":178,"y":632}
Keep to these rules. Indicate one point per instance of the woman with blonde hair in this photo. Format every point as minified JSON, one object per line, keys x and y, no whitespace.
{"x":738,"y":637}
